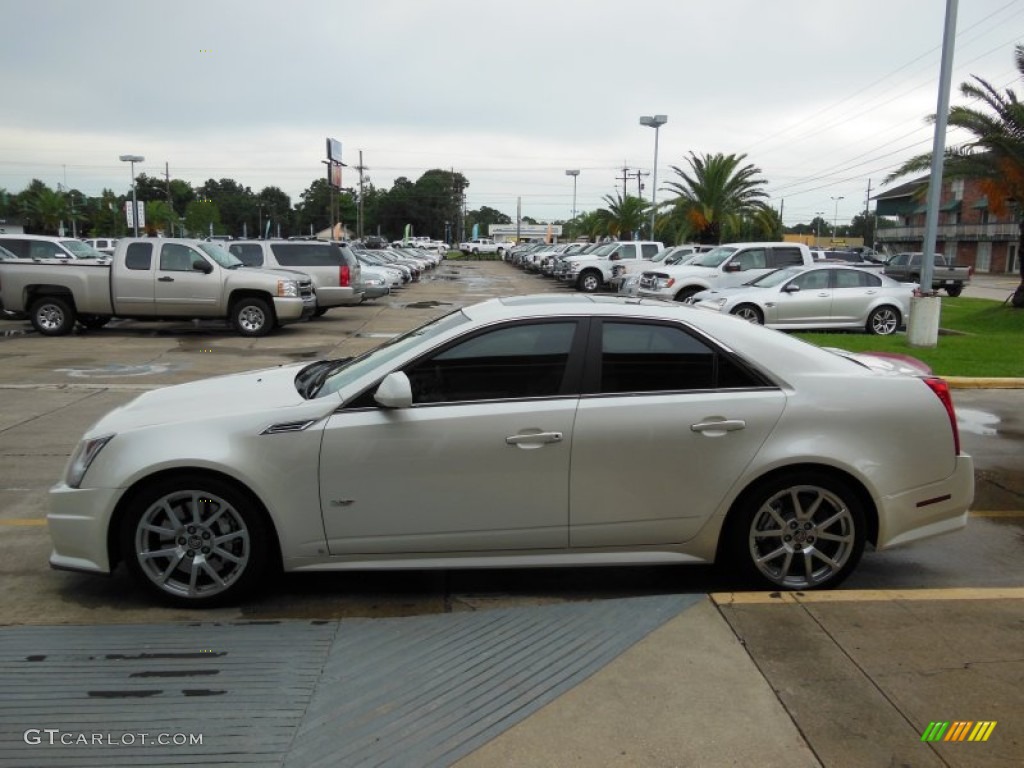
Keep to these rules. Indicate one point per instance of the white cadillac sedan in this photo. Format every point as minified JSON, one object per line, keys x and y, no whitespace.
{"x":826,"y":296}
{"x":515,"y":422}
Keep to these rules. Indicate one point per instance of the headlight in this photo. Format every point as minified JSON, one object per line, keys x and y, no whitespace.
{"x":287,"y":288}
{"x":574,"y":265}
{"x":83,"y":456}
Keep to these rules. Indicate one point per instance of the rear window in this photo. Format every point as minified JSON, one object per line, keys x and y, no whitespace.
{"x":308,"y":254}
{"x":250,"y":254}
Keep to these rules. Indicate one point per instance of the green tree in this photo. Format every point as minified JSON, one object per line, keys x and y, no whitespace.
{"x":45,"y":208}
{"x":274,"y":206}
{"x":994,"y":153}
{"x":485,"y":216}
{"x":714,"y":192}
{"x":161,"y":218}
{"x":767,"y":224}
{"x":624,"y":217}
{"x":314,"y":210}
{"x":202,"y":218}
{"x":437,"y":196}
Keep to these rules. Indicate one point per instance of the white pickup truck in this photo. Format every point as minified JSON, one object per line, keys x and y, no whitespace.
{"x":155,"y":279}
{"x":590,"y":272}
{"x":483,"y":245}
{"x":721,"y":267}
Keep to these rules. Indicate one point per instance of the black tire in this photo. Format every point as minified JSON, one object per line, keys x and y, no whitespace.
{"x":884,"y":321}
{"x":93,"y":321}
{"x":954,"y":290}
{"x":750,"y":313}
{"x":320,"y":311}
{"x":252,"y":316}
{"x":589,"y":281}
{"x":687,"y":292}
{"x":52,"y":315}
{"x":195,"y":571}
{"x":767,"y":520}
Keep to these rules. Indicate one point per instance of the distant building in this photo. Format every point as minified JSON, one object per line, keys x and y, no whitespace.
{"x":967,"y":230}
{"x":506,"y":233}
{"x":11,"y":227}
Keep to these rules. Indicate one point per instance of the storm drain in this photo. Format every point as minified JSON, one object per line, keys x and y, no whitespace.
{"x":421,"y":691}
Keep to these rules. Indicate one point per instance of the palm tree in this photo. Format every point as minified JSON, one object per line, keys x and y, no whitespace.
{"x":994,"y":155}
{"x":47,"y":208}
{"x":623,"y":216}
{"x":716,"y":188}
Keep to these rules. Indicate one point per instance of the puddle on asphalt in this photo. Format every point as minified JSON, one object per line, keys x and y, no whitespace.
{"x":428,"y":304}
{"x":374,"y":335}
{"x":977,"y":422}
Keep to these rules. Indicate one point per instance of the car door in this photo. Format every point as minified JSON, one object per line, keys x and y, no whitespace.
{"x":480,"y":462}
{"x":666,"y":424}
{"x":133,"y":284}
{"x":804,"y":300}
{"x":181,"y":290}
{"x":855,"y":290}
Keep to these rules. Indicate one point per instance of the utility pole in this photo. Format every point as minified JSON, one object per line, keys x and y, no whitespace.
{"x":359,"y":209}
{"x":170,"y":205}
{"x":867,"y":213}
{"x":625,"y":177}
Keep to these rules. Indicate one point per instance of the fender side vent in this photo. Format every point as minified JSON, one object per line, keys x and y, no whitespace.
{"x":288,"y":426}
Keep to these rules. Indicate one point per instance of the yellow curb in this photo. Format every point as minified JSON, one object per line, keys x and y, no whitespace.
{"x":22,"y":521}
{"x":867,"y":595}
{"x":966,"y":382}
{"x":997,"y":513}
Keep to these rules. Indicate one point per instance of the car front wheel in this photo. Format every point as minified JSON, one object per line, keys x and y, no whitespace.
{"x":750,"y":313}
{"x":883,"y":321}
{"x":252,"y":317}
{"x":803,"y":530}
{"x":588,"y":282}
{"x":195,"y":541}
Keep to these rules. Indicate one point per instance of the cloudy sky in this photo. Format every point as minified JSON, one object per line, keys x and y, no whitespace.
{"x":823,"y":96}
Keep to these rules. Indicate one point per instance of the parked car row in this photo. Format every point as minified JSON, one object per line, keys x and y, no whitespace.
{"x":256,"y":285}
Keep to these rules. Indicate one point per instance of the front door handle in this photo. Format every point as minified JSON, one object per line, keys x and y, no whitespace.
{"x":720,"y":427}
{"x":165,"y":279}
{"x":538,"y":438}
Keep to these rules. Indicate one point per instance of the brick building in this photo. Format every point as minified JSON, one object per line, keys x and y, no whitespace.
{"x":967,"y":229}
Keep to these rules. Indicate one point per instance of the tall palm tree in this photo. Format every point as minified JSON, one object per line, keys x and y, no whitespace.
{"x":623,"y":215}
{"x":714,"y":189}
{"x":46,"y":208}
{"x":994,"y":155}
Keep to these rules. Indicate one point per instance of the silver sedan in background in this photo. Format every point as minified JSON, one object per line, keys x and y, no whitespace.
{"x":826,"y":296}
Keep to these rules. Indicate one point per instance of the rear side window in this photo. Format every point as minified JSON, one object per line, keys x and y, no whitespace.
{"x":250,"y":254}
{"x":856,"y":278}
{"x":786,"y":257}
{"x":648,"y":250}
{"x":18,"y":247}
{"x":307,"y":254}
{"x":139,"y":256}
{"x":44,"y":249}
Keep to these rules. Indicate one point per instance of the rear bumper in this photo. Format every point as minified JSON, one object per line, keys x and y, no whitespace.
{"x":929,"y":510}
{"x":327,"y":296}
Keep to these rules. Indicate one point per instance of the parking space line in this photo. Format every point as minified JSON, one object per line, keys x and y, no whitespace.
{"x":22,"y":521}
{"x":867,"y":595}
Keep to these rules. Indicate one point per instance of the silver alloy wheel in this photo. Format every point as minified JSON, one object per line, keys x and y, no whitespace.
{"x":884,"y":321}
{"x":251,"y":318}
{"x":802,"y":537}
{"x":749,"y":313}
{"x":192,"y":544}
{"x":50,"y":317}
{"x":589,"y":282}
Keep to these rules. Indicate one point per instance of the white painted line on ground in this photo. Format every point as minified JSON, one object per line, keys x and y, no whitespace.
{"x":868,"y":595}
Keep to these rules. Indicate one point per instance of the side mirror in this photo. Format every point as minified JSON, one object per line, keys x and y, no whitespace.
{"x":202,"y":265}
{"x":731,"y":267}
{"x":394,"y":391}
{"x":615,"y":256}
{"x":791,"y":288}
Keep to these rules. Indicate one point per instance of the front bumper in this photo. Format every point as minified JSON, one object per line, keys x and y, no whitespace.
{"x":78,"y":522}
{"x":290,"y":310}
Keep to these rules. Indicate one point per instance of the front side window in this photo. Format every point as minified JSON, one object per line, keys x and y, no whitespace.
{"x":512,"y":362}
{"x":639,"y":357}
{"x":752,"y":258}
{"x":175,"y":257}
{"x":816,"y":280}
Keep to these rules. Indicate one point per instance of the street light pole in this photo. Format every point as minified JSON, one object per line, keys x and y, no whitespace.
{"x":835,"y":220}
{"x":654,"y":122}
{"x":574,"y":174}
{"x":817,"y":226}
{"x":133,"y":159}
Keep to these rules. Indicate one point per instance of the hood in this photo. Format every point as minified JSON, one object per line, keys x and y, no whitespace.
{"x":265,"y":391}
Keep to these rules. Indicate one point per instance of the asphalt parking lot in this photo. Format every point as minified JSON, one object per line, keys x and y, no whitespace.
{"x":875,"y":644}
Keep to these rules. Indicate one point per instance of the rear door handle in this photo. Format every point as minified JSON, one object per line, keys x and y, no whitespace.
{"x":165,"y":279}
{"x":538,"y":438}
{"x":721,"y":427}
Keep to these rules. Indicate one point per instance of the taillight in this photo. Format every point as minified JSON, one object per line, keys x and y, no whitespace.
{"x":941,"y":390}
{"x":345,"y":276}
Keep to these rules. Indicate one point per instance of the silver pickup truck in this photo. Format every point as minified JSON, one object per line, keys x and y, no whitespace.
{"x":155,"y":279}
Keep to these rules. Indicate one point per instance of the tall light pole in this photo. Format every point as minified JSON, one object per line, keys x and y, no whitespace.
{"x":835,"y":219}
{"x":133,"y":159}
{"x":817,"y":226}
{"x":654,"y":122}
{"x":574,"y":174}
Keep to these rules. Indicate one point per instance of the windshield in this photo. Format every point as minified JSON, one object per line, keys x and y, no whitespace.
{"x":221,"y":255}
{"x":775,"y":278}
{"x":713,"y":258}
{"x":386,"y":352}
{"x":82,"y":250}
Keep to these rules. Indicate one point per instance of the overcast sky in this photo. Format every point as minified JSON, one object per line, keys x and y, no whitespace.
{"x":821,"y":95}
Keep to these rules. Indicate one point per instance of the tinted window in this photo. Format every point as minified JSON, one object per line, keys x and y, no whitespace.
{"x":250,"y":254}
{"x":645,"y":357}
{"x":18,"y":247}
{"x":175,"y":257}
{"x":307,"y":254}
{"x":648,"y":250}
{"x":856,"y":278}
{"x":512,"y":362}
{"x":751,"y":258}
{"x":139,"y":256}
{"x":812,"y":281}
{"x":43,"y":249}
{"x":785,"y":257}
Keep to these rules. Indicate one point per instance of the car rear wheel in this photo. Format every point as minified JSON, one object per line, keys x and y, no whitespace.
{"x":883,"y":321}
{"x":52,"y":316}
{"x":195,"y":541}
{"x":954,"y":290}
{"x":252,"y":316}
{"x":750,"y":313}
{"x":804,"y":530}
